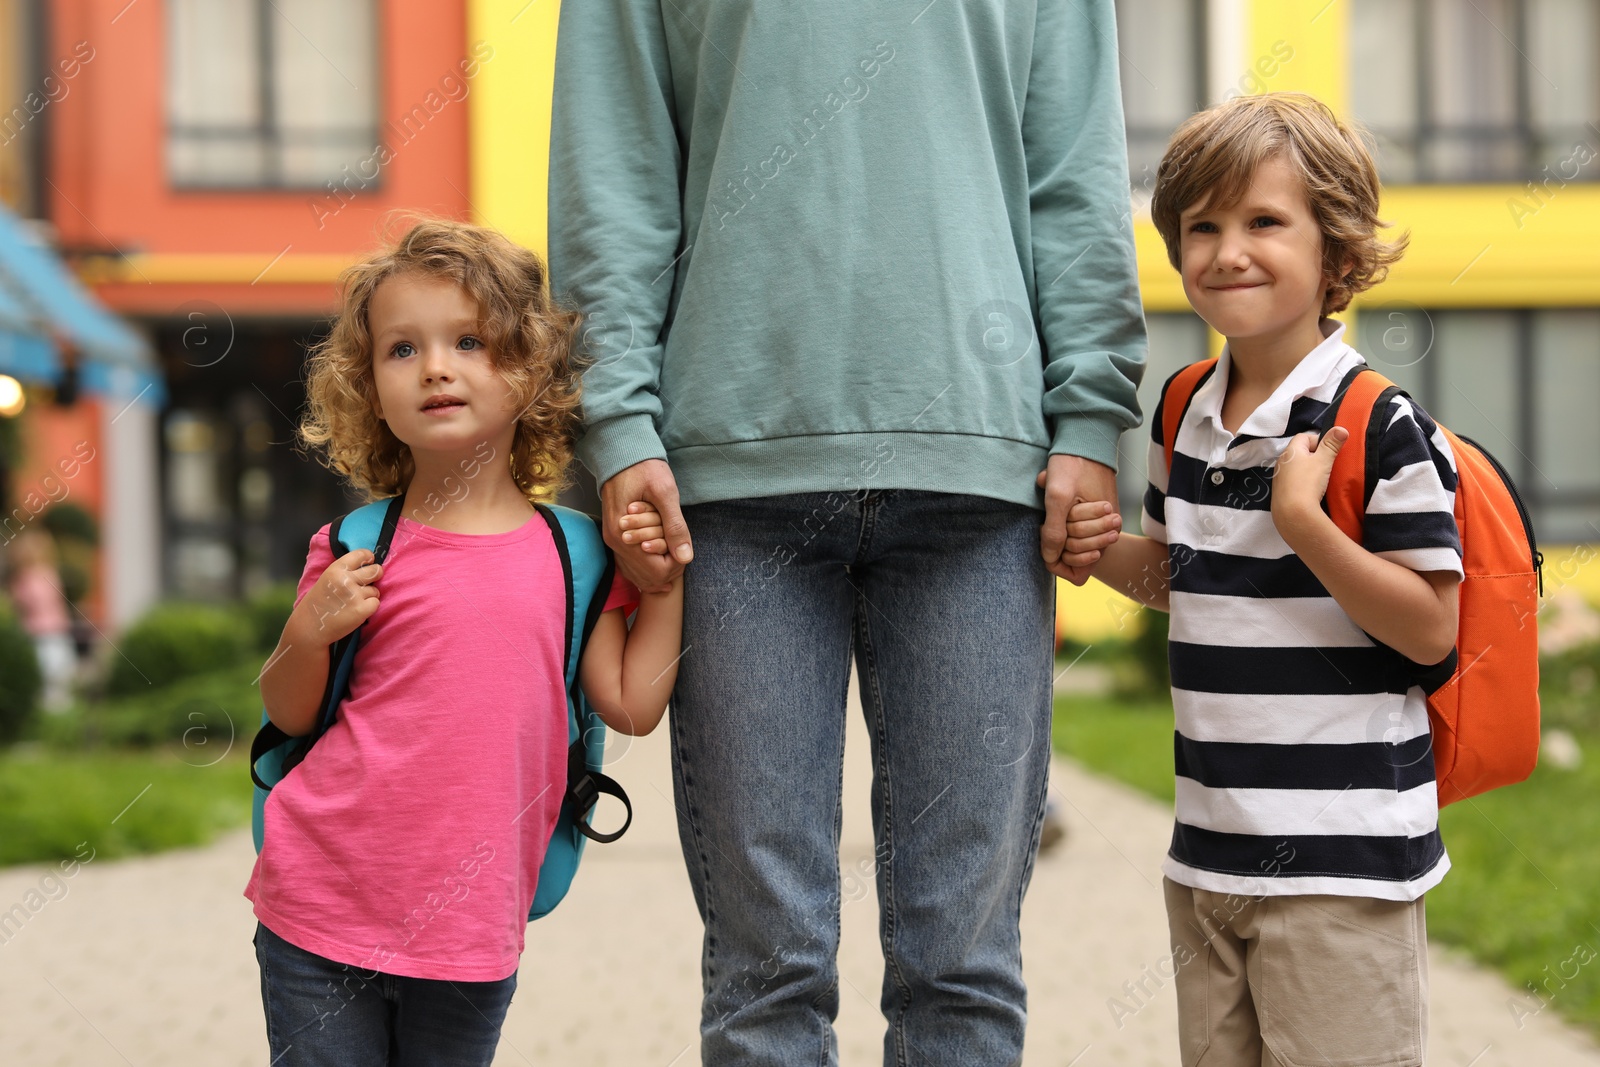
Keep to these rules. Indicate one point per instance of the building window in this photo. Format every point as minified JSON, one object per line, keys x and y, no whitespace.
{"x":1163,"y":49}
{"x":1523,"y":384}
{"x":1493,"y":90}
{"x":1176,"y":340}
{"x":1565,"y":436}
{"x":269,"y":93}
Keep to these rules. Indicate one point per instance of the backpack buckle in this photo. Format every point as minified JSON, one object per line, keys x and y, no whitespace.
{"x":584,"y":792}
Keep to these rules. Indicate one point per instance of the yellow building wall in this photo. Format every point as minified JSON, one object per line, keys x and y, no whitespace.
{"x":510,"y":109}
{"x":15,"y":112}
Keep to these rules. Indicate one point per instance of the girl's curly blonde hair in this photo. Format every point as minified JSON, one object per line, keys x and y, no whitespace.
{"x":530,"y":339}
{"x":1215,"y":152}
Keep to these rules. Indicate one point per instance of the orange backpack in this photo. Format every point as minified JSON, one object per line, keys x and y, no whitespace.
{"x":1483,"y":700}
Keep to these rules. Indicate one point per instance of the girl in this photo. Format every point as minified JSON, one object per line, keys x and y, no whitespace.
{"x":401,"y":856}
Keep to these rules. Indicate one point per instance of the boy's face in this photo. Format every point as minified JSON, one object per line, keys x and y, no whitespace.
{"x":428,"y":347}
{"x":1254,"y":270}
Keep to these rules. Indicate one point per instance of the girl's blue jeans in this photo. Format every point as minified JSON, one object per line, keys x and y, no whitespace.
{"x":945,"y":606}
{"x":326,"y":1014}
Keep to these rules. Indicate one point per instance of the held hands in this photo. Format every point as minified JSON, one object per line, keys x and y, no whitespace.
{"x":649,"y":485}
{"x":1300,"y":479}
{"x":342,"y":599}
{"x":642,"y":526}
{"x":1080,"y":522}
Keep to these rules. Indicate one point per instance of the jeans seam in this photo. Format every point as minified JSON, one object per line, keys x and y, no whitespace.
{"x":1042,"y":802}
{"x":869,"y":514}
{"x":266,"y":998}
{"x":680,"y":750}
{"x":886,"y":865}
{"x":825,"y":1052}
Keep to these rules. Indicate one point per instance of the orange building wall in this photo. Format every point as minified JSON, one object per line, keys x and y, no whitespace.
{"x":241,"y":249}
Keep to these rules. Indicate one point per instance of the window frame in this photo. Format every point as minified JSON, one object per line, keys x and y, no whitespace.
{"x":1200,"y":59}
{"x":1538,"y":494}
{"x":1427,"y":133}
{"x":266,"y":130}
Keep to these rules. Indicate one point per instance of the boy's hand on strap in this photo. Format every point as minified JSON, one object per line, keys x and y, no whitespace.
{"x":642,"y":526}
{"x":1300,"y":478}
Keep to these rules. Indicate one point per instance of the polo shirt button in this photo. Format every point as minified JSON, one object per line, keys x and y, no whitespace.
{"x":1216,"y":477}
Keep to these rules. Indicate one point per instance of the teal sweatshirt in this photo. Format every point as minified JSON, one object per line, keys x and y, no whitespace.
{"x":846,"y":244}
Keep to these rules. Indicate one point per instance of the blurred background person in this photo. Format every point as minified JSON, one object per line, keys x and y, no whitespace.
{"x":35,"y":587}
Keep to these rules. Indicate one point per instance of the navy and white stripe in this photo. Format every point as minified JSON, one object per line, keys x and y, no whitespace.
{"x":1301,"y":746}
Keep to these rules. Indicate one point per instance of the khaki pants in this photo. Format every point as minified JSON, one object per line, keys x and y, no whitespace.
{"x":1298,"y":981}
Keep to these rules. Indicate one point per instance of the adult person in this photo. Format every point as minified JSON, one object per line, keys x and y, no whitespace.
{"x":856,"y":273}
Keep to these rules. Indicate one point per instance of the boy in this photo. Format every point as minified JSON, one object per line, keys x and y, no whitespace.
{"x":1306,"y":814}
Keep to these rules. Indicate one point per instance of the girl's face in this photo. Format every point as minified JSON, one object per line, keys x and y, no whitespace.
{"x":437,"y":385}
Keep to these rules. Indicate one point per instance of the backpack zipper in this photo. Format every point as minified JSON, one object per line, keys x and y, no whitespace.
{"x":1522,"y":511}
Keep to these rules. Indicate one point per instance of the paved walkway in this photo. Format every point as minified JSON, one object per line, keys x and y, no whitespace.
{"x":148,"y":961}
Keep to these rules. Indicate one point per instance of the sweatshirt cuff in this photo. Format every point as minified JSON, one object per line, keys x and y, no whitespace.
{"x":618,"y":443}
{"x":1087,"y":436}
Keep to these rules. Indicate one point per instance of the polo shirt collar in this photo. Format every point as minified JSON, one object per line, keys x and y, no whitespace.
{"x":1271,"y":419}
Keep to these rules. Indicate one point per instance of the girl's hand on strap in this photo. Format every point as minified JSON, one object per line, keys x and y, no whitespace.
{"x":342,"y":599}
{"x":642,"y":526}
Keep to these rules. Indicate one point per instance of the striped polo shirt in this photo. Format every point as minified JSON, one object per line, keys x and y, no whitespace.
{"x":1302,"y":748}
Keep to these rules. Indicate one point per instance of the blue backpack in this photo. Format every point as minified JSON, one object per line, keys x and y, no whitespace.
{"x":588,"y":568}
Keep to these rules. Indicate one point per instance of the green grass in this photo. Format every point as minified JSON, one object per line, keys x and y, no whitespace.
{"x":120,"y":803}
{"x":1131,"y":742}
{"x":82,"y":776}
{"x":1520,"y":893}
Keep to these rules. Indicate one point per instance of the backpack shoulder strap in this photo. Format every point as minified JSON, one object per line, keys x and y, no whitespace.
{"x":588,"y":567}
{"x":372,"y":527}
{"x":1176,"y":396}
{"x":1362,"y":395}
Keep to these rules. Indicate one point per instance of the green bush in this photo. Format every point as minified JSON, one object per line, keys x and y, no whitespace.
{"x":20,"y":678}
{"x":1567,"y":689}
{"x":203,"y":713}
{"x":269,"y":610}
{"x":69,"y":522}
{"x":1142,"y":673}
{"x":74,"y":580}
{"x":178,"y":641}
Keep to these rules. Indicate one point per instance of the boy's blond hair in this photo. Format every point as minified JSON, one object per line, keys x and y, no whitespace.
{"x":1214,"y":153}
{"x":530,"y":339}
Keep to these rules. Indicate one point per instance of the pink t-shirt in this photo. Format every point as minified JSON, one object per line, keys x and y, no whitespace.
{"x":410,"y":838}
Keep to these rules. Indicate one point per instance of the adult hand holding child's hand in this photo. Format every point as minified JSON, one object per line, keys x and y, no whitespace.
{"x":649,"y":484}
{"x":642,"y":526}
{"x":1087,"y":528}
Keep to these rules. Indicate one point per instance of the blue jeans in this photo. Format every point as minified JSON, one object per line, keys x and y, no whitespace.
{"x":326,"y":1014}
{"x":947,"y":609}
